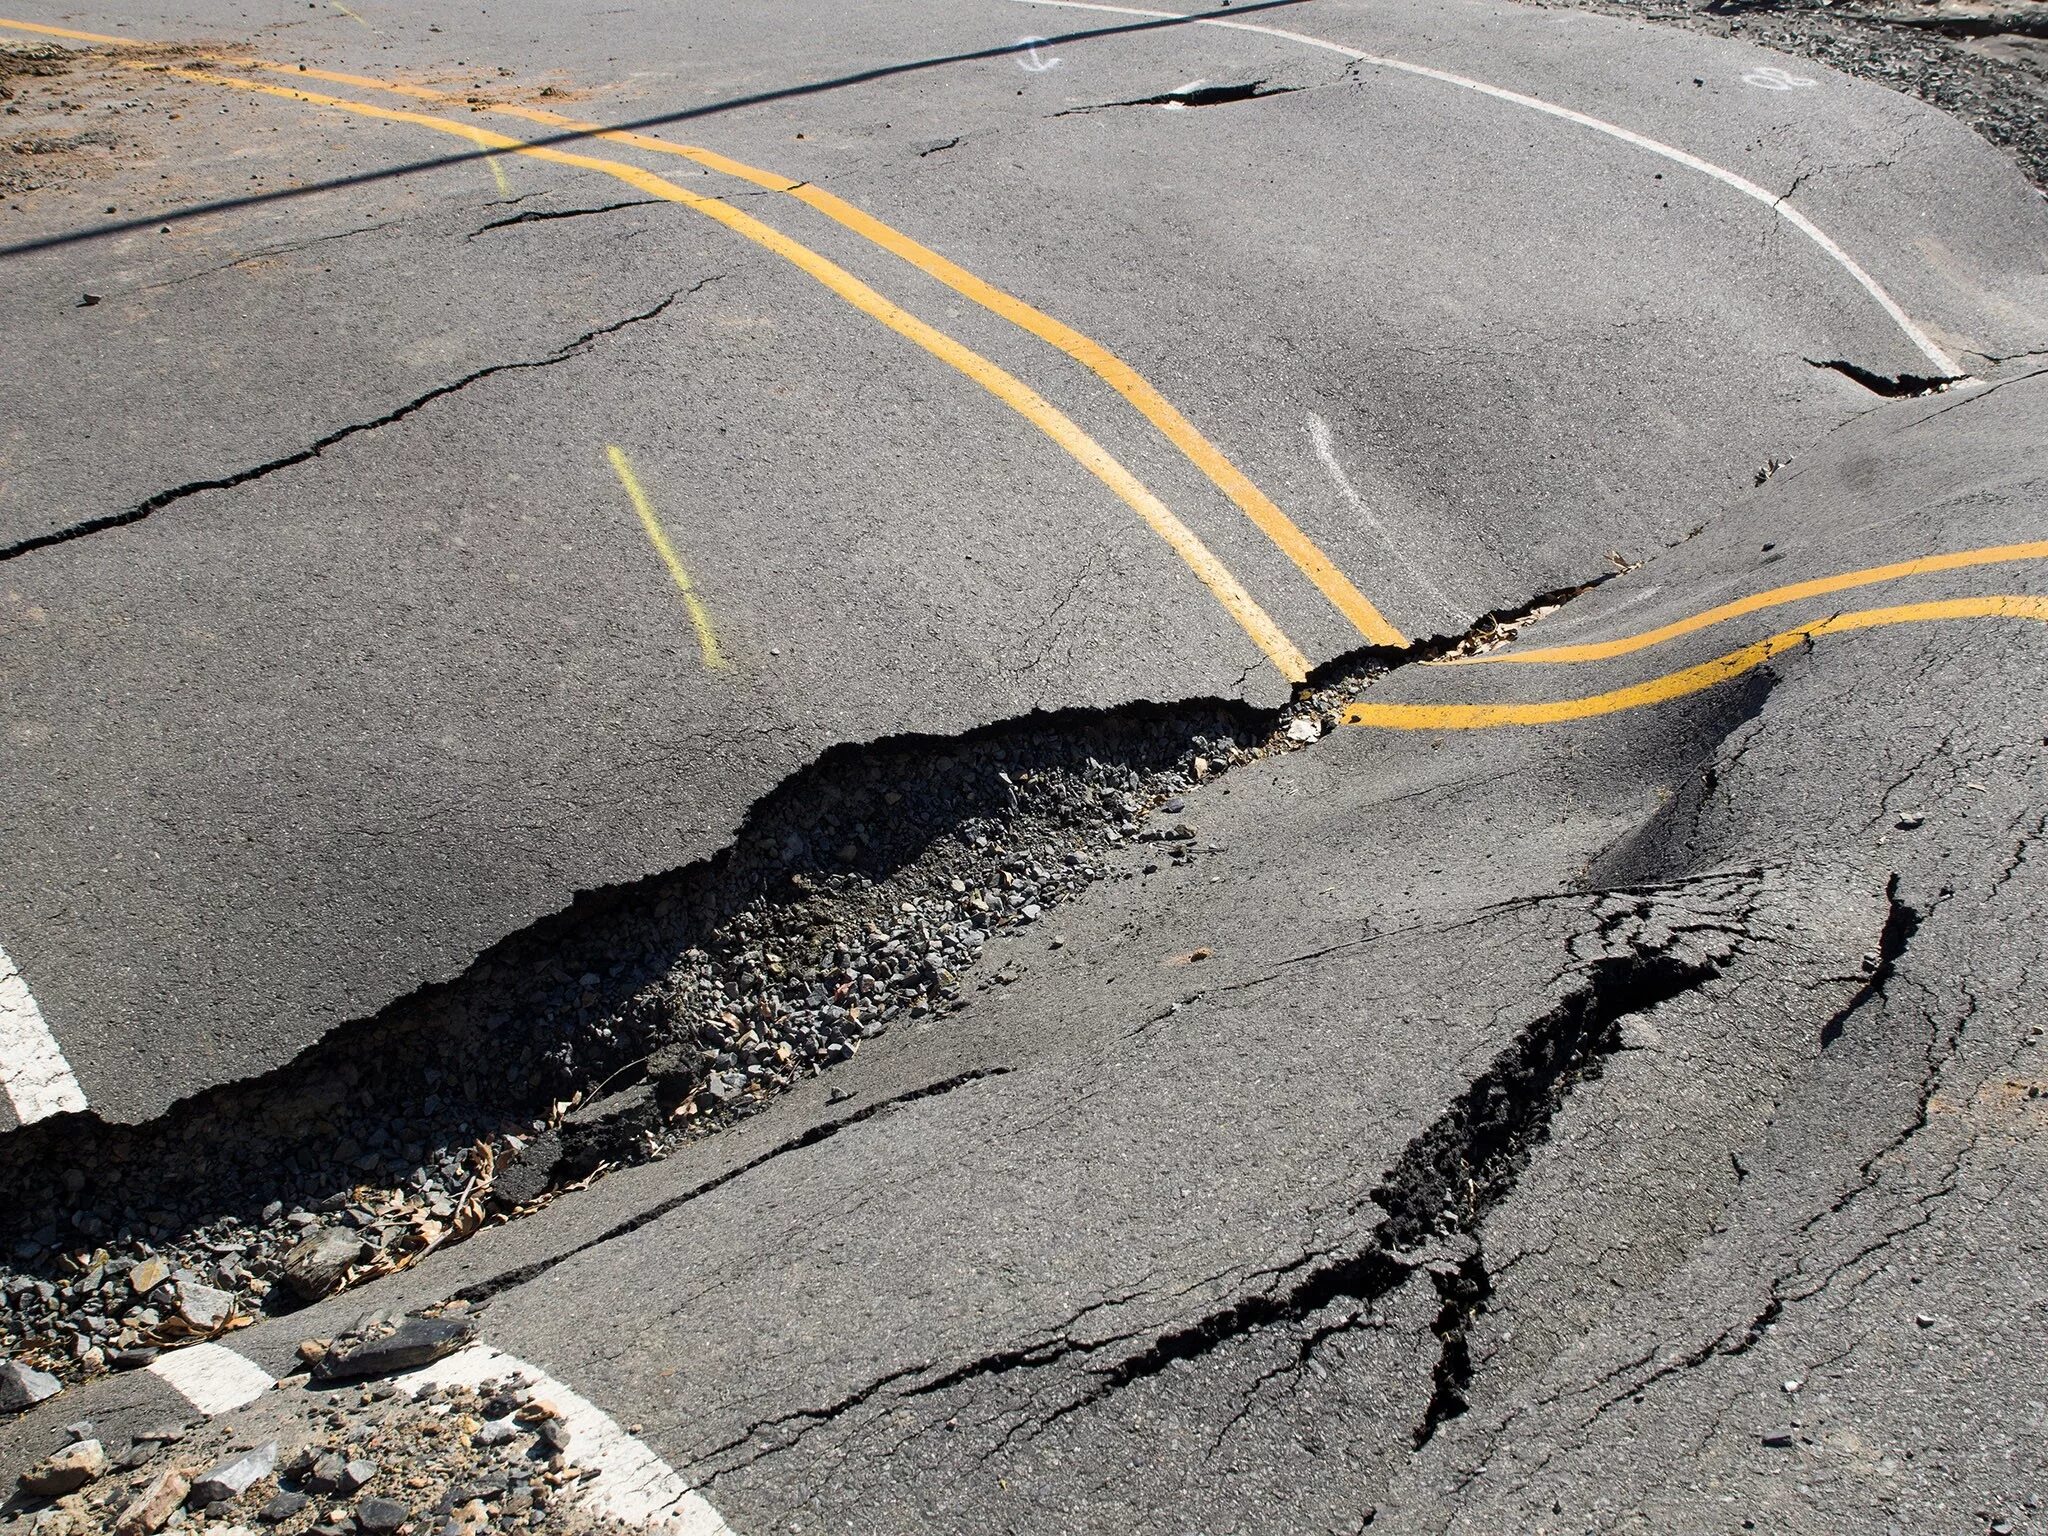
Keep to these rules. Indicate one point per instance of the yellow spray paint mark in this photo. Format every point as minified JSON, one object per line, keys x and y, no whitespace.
{"x":1286,"y":535}
{"x":1285,"y":656}
{"x":349,"y":13}
{"x":498,"y":175}
{"x":700,"y":618}
{"x":1689,"y":680}
{"x":1601,"y":650}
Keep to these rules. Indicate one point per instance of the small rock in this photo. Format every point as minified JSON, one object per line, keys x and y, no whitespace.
{"x":503,"y":1432}
{"x":1304,"y":728}
{"x":556,"y":1433}
{"x":355,"y":1474}
{"x":154,"y":1505}
{"x":1908,"y":820}
{"x":381,"y":1514}
{"x":1923,"y":1319}
{"x":315,"y":1266}
{"x":148,"y":1275}
{"x":202,"y":1306}
{"x":82,"y":1430}
{"x":1778,"y":1439}
{"x":65,"y":1471}
{"x":416,"y":1342}
{"x":282,"y":1507}
{"x":326,"y":1474}
{"x":234,"y":1477}
{"x":23,"y":1386}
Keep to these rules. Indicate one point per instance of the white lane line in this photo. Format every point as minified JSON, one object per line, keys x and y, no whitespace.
{"x":1326,"y":450}
{"x":1949,"y":367}
{"x":632,"y":1484}
{"x":33,"y":1070}
{"x":212,"y":1377}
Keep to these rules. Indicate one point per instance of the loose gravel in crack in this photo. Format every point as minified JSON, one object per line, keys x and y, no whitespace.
{"x":1986,"y":64}
{"x":855,"y":901}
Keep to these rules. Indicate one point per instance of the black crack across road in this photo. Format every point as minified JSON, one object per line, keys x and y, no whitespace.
{"x":1014,"y":766}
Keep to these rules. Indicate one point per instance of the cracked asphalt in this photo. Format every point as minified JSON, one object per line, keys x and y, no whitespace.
{"x":1585,"y":1079}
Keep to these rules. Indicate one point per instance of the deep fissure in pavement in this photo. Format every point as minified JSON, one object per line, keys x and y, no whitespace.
{"x":855,"y":899}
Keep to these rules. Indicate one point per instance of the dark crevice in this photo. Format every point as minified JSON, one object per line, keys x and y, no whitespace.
{"x":1464,"y":1289}
{"x":484,"y":1290}
{"x":1901,"y":921}
{"x":1892,"y":386}
{"x":543,"y":215}
{"x":313,"y":450}
{"x":1455,"y":1172}
{"x":645,"y":1015}
{"x":1193,"y":96}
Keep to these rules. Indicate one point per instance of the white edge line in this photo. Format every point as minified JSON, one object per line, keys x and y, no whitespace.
{"x":213,"y":1378}
{"x":632,"y":1484}
{"x":1949,"y":367}
{"x":33,"y":1070}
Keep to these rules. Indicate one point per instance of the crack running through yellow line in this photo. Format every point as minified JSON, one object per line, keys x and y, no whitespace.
{"x":1775,"y":597}
{"x":1688,"y":680}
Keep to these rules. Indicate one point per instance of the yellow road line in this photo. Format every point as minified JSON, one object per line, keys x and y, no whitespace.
{"x":1091,"y":354}
{"x":1601,"y":650}
{"x":1676,"y":685}
{"x":82,"y":37}
{"x":707,"y":637}
{"x":1285,"y":656}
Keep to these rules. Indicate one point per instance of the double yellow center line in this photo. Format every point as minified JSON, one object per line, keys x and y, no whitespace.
{"x":1285,"y":656}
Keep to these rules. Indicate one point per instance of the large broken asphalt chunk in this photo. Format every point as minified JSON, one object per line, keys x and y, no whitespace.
{"x":415,"y":1342}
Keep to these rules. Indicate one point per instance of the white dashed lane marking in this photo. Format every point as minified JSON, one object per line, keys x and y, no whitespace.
{"x":1949,"y":367}
{"x":632,"y":1485}
{"x":33,"y":1070}
{"x":213,"y":1378}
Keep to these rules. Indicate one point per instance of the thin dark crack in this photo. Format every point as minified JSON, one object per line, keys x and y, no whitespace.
{"x":542,"y":215}
{"x":484,"y":1290}
{"x":162,"y":499}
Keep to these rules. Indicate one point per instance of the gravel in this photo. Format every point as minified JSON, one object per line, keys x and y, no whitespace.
{"x":334,"y":1462}
{"x":855,"y":900}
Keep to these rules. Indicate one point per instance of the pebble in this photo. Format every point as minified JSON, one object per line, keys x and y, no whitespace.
{"x":381,"y":1515}
{"x":316,"y":1266}
{"x":23,"y":1386}
{"x":282,"y":1507}
{"x":148,"y":1275}
{"x":155,"y":1504}
{"x":234,"y":1477}
{"x":66,"y":1471}
{"x":203,"y":1306}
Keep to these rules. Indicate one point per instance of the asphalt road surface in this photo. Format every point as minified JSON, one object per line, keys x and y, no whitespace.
{"x":1586,"y":1083}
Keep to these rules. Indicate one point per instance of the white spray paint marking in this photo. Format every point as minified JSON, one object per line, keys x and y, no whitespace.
{"x":632,"y":1484}
{"x":1949,"y":367}
{"x":1771,"y":78}
{"x":1326,"y":450}
{"x":212,"y":1377}
{"x":33,"y":1070}
{"x":1035,"y":64}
